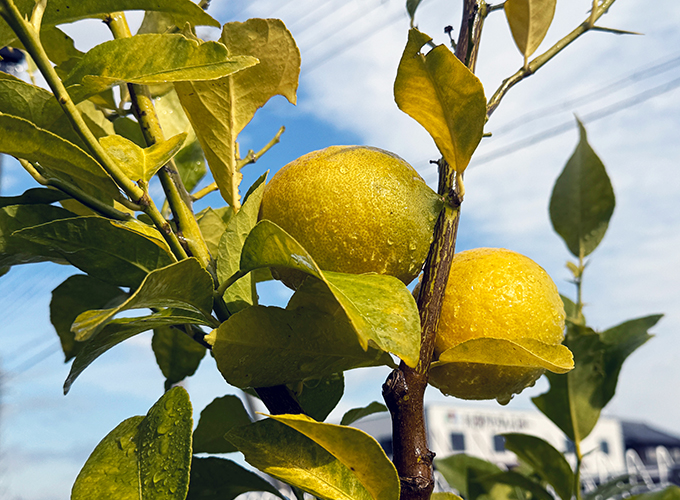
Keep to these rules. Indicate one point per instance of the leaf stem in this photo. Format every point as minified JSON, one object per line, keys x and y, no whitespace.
{"x":202,"y":193}
{"x":405,"y":387}
{"x":30,"y":38}
{"x":539,"y":61}
{"x":252,"y":157}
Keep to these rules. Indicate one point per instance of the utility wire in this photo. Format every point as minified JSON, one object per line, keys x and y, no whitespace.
{"x":587,"y":118}
{"x":40,"y":356}
{"x":641,"y":74}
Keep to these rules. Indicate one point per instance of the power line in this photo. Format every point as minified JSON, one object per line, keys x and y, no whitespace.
{"x":587,"y":118}
{"x":641,"y":74}
{"x":38,"y":357}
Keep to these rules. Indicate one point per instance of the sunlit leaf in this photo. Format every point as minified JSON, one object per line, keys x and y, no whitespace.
{"x":328,"y":461}
{"x":79,"y":293}
{"x":380,"y":308}
{"x":177,"y":354}
{"x":514,"y":480}
{"x":150,"y":59}
{"x":529,"y":21}
{"x":141,"y":163}
{"x":216,"y":420}
{"x":546,"y":461}
{"x":119,"y":330}
{"x":582,"y":200}
{"x":525,"y":352}
{"x":218,"y":478}
{"x":17,"y":250}
{"x":101,"y":248}
{"x":444,"y":96}
{"x":444,"y":496}
{"x":357,"y":413}
{"x":94,"y":118}
{"x":318,"y":397}
{"x":183,"y":285}
{"x":144,"y":458}
{"x":68,"y":11}
{"x":240,"y":294}
{"x":466,"y":474}
{"x":575,"y":399}
{"x":219,"y":110}
{"x":671,"y":492}
{"x":212,"y":223}
{"x":58,"y":157}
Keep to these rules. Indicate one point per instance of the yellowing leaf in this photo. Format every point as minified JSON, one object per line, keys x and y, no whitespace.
{"x":529,"y":21}
{"x":137,"y":163}
{"x":219,"y":110}
{"x":329,"y":461}
{"x":529,"y":353}
{"x":444,"y":96}
{"x":150,"y":59}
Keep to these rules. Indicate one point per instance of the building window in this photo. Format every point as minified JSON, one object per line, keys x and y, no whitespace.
{"x":499,"y":443}
{"x":457,"y":441}
{"x":604,"y":447}
{"x":386,"y":444}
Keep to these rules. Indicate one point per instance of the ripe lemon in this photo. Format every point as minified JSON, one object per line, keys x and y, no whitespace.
{"x":495,"y":293}
{"x":355,"y":209}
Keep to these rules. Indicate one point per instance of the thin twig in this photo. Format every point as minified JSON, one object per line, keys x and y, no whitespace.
{"x":252,"y":157}
{"x":539,"y":61}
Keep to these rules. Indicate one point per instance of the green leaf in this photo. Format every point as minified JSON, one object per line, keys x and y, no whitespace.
{"x":130,"y":130}
{"x":444,"y":496}
{"x":548,"y":463}
{"x":57,"y":157}
{"x":529,"y":21}
{"x":183,"y":285}
{"x":37,"y":105}
{"x":34,"y":196}
{"x":68,"y":11}
{"x":411,"y":7}
{"x":119,"y":330}
{"x":582,"y":200}
{"x":240,"y":294}
{"x":218,"y":478}
{"x":583,"y":392}
{"x":144,"y":457}
{"x":79,"y":293}
{"x":212,"y":224}
{"x":177,"y":354}
{"x":380,"y":308}
{"x":141,"y":163}
{"x":444,"y":96}
{"x":524,"y":352}
{"x":570,"y":309}
{"x":671,"y":492}
{"x":515,"y":480}
{"x":266,"y":346}
{"x":16,"y":250}
{"x":102,"y":248}
{"x":357,"y":413}
{"x":151,"y":59}
{"x":463,"y":473}
{"x":328,"y":461}
{"x":219,"y":110}
{"x":218,"y":418}
{"x":318,"y":397}
{"x":95,"y":119}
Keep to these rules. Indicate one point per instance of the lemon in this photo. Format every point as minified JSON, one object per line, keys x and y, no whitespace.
{"x":355,"y":209}
{"x":493,"y":293}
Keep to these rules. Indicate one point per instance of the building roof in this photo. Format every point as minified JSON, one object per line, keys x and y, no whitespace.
{"x":637,"y":434}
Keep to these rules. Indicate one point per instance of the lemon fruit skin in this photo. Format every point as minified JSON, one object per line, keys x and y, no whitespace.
{"x":501,"y":294}
{"x":355,"y":209}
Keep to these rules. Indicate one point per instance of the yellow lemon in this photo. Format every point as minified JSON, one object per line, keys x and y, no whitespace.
{"x":511,"y":303}
{"x":355,"y":209}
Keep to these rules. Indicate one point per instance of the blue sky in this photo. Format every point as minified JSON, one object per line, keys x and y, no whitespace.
{"x":46,"y":437}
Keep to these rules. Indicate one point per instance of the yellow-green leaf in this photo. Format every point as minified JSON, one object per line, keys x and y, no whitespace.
{"x":150,"y":59}
{"x":329,"y":461}
{"x":529,"y":21}
{"x":219,"y":110}
{"x":137,"y":163}
{"x":528,"y":353}
{"x":444,"y":96}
